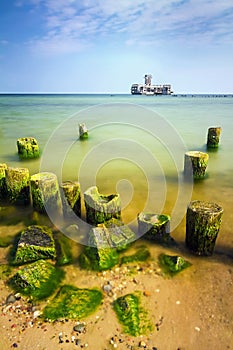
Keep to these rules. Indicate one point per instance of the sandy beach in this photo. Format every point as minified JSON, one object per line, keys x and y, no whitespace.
{"x":192,"y":310}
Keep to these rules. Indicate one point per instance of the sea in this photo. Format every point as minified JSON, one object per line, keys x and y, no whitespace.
{"x":136,"y":147}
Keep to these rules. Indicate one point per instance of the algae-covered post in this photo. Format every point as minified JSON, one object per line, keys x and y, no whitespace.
{"x":45,"y":193}
{"x":17,"y":185}
{"x":28,"y":148}
{"x":213,"y":137}
{"x":3,"y":168}
{"x":100,"y":208}
{"x":83,"y":132}
{"x":71,"y":198}
{"x":195,"y":164}
{"x":154,"y":227}
{"x":203,"y":221}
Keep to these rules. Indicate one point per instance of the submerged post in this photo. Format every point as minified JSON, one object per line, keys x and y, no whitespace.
{"x":3,"y":168}
{"x":195,"y":164}
{"x":28,"y":148}
{"x":154,"y":227}
{"x":71,"y":198}
{"x":83,"y":132}
{"x":17,"y":185}
{"x":203,"y":222}
{"x":213,"y":137}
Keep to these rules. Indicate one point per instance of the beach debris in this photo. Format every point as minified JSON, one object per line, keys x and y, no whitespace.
{"x":131,"y":315}
{"x":3,"y":168}
{"x":63,"y":249}
{"x":99,"y":207}
{"x":35,"y":243}
{"x":172,"y":264}
{"x":155,"y":227}
{"x":203,"y":221}
{"x":73,"y":303}
{"x":83,"y":131}
{"x":71,"y":198}
{"x":38,"y":279}
{"x":28,"y":148}
{"x":45,"y":193}
{"x":213,"y":137}
{"x":195,"y":164}
{"x":17,"y":185}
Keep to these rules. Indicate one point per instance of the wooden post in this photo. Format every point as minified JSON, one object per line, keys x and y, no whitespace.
{"x":28,"y":148}
{"x":154,"y":227}
{"x":45,"y":193}
{"x":195,"y":164}
{"x":3,"y":168}
{"x":203,"y":222}
{"x":100,"y":208}
{"x":71,"y":198}
{"x":17,"y":185}
{"x":213,"y":137}
{"x":83,"y":132}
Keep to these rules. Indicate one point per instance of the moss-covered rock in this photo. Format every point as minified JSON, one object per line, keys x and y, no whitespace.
{"x":155,"y":227}
{"x":37,"y":280}
{"x":101,"y":208}
{"x":35,"y":243}
{"x":213,"y":137}
{"x":28,"y":148}
{"x":203,"y":221}
{"x":83,"y":132}
{"x":3,"y":168}
{"x":73,"y":303}
{"x":45,"y":193}
{"x":195,"y":164}
{"x":63,"y":249}
{"x":17,"y":185}
{"x":171,"y":265}
{"x":71,"y":198}
{"x":131,"y":315}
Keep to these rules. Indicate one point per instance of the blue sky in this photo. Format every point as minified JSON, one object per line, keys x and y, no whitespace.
{"x":103,"y":46}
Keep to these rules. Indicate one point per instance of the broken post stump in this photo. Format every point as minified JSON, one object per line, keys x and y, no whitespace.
{"x":213,"y":137}
{"x":71,"y":198}
{"x":195,"y":164}
{"x":45,"y":193}
{"x":17,"y":185}
{"x":83,"y":132}
{"x":28,"y":148}
{"x":203,"y":222}
{"x":154,"y":227}
{"x":3,"y":168}
{"x":100,"y":208}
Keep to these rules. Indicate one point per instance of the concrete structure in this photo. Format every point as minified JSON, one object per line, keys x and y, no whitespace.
{"x":148,"y":89}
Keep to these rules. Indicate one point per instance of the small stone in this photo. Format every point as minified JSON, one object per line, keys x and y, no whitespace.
{"x":147,"y":293}
{"x":80,"y":328}
{"x":142,"y":344}
{"x":107,"y":288}
{"x":11,"y":299}
{"x":15,"y":345}
{"x":177,"y":302}
{"x":197,"y":329}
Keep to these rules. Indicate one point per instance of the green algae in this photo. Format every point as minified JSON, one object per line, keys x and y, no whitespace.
{"x":6,"y":241}
{"x":5,"y":271}
{"x":28,"y":148}
{"x":142,"y":254}
{"x":63,"y":249}
{"x":171,"y":265}
{"x":73,"y":303}
{"x":37,"y":280}
{"x":96,"y":259}
{"x":131,"y":315}
{"x":35,"y":243}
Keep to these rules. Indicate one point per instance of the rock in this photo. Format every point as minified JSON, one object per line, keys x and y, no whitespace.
{"x":28,"y":148}
{"x":35,"y":243}
{"x":45,"y":193}
{"x":71,"y":198}
{"x":101,"y":208}
{"x":38,"y":279}
{"x":17,"y":185}
{"x":11,"y":299}
{"x":83,"y":132}
{"x":80,"y":328}
{"x":172,"y":264}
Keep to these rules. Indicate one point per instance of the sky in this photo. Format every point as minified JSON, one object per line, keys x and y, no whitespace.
{"x":104,"y":46}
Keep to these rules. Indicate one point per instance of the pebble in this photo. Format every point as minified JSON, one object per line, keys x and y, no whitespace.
{"x":11,"y":299}
{"x":107,"y":288}
{"x":81,"y":328}
{"x":197,"y":329}
{"x":142,"y":344}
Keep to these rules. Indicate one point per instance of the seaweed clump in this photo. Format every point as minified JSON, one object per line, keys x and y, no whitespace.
{"x":171,"y":265}
{"x":73,"y":303}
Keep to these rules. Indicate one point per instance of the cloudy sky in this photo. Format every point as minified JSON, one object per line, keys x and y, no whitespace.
{"x":103,"y":46}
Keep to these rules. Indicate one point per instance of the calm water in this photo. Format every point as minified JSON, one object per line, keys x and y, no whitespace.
{"x":136,"y":147}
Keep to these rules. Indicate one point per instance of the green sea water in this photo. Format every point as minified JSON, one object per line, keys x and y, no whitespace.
{"x":136,"y":147}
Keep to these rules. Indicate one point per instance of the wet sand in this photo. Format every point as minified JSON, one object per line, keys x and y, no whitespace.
{"x":192,"y":310}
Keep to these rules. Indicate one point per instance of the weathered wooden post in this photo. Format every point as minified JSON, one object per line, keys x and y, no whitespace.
{"x":28,"y":148}
{"x":195,"y":164}
{"x":203,"y":222}
{"x":100,"y":208}
{"x":83,"y":132}
{"x":154,"y":227}
{"x":45,"y":193}
{"x":17,"y":185}
{"x":213,"y":137}
{"x":71,"y":198}
{"x":3,"y":168}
